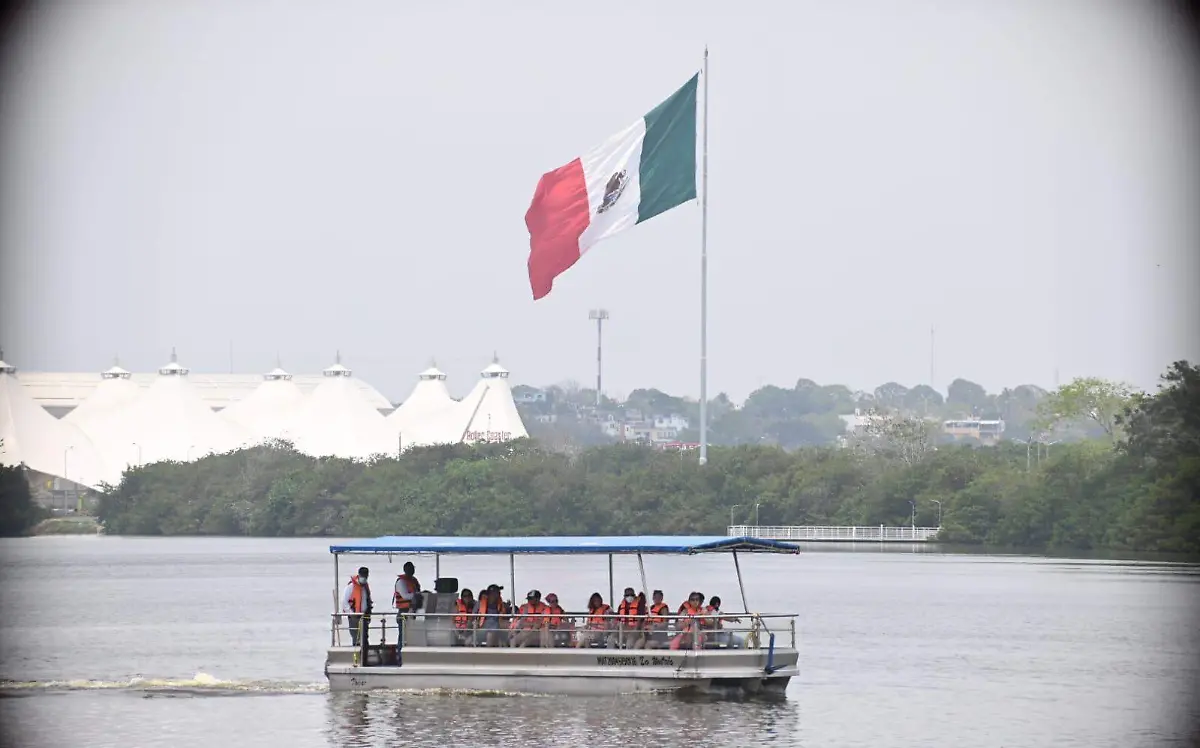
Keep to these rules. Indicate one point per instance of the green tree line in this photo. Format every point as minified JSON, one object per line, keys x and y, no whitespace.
{"x":18,"y":510}
{"x":1137,"y":490}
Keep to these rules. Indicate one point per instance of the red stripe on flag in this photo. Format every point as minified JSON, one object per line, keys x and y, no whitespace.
{"x":556,"y":218}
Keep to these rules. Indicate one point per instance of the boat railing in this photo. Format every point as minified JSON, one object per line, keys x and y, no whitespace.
{"x":611,"y":631}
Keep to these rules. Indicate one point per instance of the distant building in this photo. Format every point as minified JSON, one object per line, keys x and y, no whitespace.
{"x":987,"y":432}
{"x":525,"y":395}
{"x":856,"y":423}
{"x":674,"y":421}
{"x":681,"y":446}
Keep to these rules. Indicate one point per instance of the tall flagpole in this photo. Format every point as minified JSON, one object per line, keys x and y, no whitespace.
{"x":704,"y":277}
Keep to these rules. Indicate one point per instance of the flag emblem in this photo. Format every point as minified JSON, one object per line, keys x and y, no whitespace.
{"x":612,"y":190}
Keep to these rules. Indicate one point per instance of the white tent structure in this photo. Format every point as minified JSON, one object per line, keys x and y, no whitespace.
{"x":31,"y":436}
{"x":337,"y":420}
{"x":429,"y":405}
{"x":169,"y":421}
{"x":115,"y":392}
{"x":267,"y":411}
{"x":487,"y":414}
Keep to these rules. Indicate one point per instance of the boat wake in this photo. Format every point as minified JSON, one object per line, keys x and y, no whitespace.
{"x":200,"y":684}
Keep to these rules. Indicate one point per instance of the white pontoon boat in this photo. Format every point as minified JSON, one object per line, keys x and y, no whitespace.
{"x":756,"y":655}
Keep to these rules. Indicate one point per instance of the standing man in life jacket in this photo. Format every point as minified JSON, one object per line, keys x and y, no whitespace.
{"x":356,"y":601}
{"x":407,"y":600}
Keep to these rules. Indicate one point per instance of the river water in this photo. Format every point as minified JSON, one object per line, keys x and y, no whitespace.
{"x":112,"y":641}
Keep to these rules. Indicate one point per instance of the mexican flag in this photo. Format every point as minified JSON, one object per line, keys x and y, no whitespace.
{"x":641,"y":171}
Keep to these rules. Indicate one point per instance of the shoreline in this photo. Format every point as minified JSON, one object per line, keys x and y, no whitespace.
{"x":80,"y":524}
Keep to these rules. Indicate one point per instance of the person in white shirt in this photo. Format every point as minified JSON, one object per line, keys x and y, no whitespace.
{"x":356,"y":601}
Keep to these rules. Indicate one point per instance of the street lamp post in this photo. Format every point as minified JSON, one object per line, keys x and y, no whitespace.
{"x":189,"y":452}
{"x":65,"y":477}
{"x":139,"y":448}
{"x":756,"y":506}
{"x":735,"y":506}
{"x":913,"y":518}
{"x":939,"y":512}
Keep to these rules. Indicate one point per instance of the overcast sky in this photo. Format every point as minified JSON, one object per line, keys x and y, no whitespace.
{"x":299,"y":178}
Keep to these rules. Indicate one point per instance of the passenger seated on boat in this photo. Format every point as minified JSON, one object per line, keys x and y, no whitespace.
{"x":727,"y":638}
{"x":488,"y":618}
{"x":532,"y":619}
{"x":597,"y":631}
{"x":689,"y":635}
{"x":557,"y":629}
{"x":656,"y":624}
{"x":632,"y":633}
{"x":464,"y":634}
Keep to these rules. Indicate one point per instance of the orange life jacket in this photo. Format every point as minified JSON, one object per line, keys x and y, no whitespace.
{"x":489,"y":608}
{"x":689,"y":611}
{"x":531,"y":615}
{"x":413,"y":585}
{"x":359,"y":594}
{"x":554,"y":616}
{"x":597,"y":620}
{"x":464,"y":612}
{"x":658,"y":614}
{"x":629,"y":612}
{"x":711,"y":623}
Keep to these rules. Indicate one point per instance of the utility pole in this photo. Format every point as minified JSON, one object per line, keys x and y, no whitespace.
{"x":931,"y":359}
{"x":599,"y":315}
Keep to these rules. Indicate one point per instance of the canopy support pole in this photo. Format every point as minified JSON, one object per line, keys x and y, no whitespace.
{"x":437,"y":567}
{"x":336,"y":637}
{"x":642,"y":572}
{"x":741,"y":587}
{"x":611,"y":592}
{"x":512,"y":576}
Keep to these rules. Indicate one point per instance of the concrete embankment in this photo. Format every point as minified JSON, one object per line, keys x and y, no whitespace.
{"x":74,"y":525}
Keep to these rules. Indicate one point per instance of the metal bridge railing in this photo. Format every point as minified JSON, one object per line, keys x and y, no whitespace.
{"x":876,"y":533}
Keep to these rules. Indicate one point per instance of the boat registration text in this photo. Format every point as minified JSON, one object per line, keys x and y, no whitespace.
{"x":635,"y":661}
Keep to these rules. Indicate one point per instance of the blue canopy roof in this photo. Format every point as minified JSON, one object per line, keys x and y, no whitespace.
{"x":563,"y":545}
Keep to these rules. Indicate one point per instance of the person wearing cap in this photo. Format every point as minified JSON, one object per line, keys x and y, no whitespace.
{"x":490,"y":611}
{"x":356,"y":602}
{"x":631,"y":620}
{"x":556,"y":632}
{"x":530,"y":621}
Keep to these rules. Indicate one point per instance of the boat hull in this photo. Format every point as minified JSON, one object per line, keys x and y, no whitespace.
{"x":565,"y":671}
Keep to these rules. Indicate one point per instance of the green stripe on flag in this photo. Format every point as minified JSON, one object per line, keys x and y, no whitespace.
{"x":668,"y":167}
